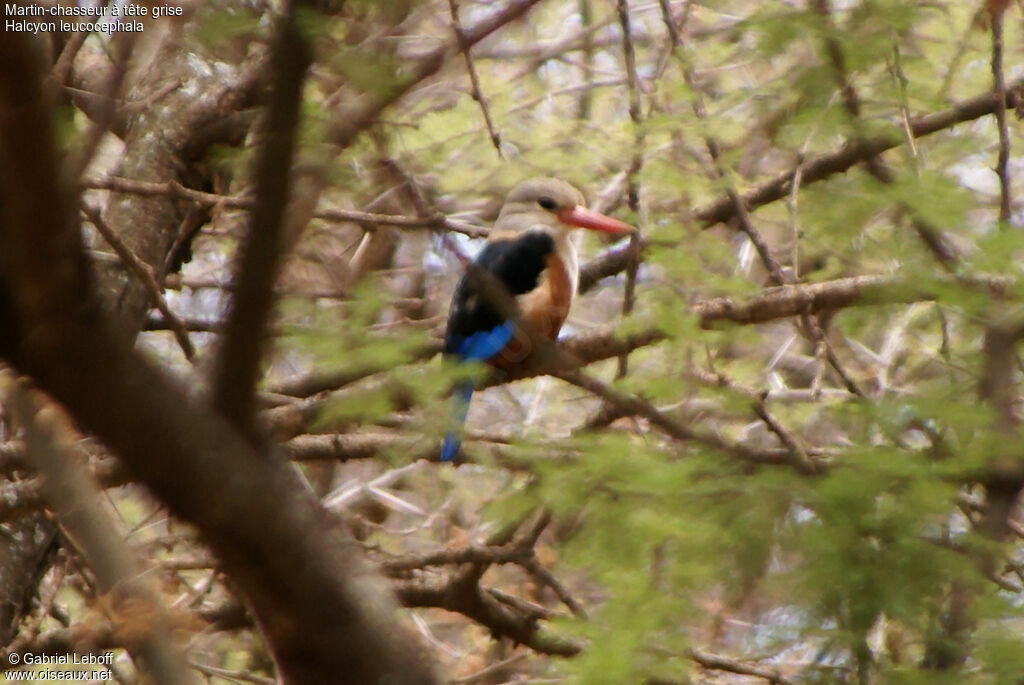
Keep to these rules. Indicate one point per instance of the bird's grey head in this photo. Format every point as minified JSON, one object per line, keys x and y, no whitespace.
{"x":536,"y":205}
{"x":552,"y":205}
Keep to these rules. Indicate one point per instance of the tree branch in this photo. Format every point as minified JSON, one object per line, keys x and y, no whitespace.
{"x":812,"y":170}
{"x":821,"y":167}
{"x":75,"y":500}
{"x":237,"y":368}
{"x":288,"y":557}
{"x":145,"y":277}
{"x":997,"y":10}
{"x":173,"y":189}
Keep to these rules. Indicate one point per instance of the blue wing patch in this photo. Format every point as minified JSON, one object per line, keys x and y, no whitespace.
{"x":483,"y":345}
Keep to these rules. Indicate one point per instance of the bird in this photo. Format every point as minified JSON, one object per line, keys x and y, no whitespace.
{"x":529,"y":251}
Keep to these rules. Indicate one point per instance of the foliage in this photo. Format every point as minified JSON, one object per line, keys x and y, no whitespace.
{"x":848,"y":571}
{"x":855,"y":570}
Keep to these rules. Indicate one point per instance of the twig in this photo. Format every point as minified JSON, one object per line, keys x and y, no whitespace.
{"x":60,"y":71}
{"x":472,"y":601}
{"x":824,"y":350}
{"x":174,"y":189}
{"x":154,"y":323}
{"x":721,"y":663}
{"x":341,"y":446}
{"x":585,"y":88}
{"x":531,"y":610}
{"x":145,"y":276}
{"x":195,"y":217}
{"x":635,"y":166}
{"x":474,"y":79}
{"x":930,"y":236}
{"x":537,"y":570}
{"x":801,"y":461}
{"x":345,"y":495}
{"x":76,"y":164}
{"x":811,"y":326}
{"x":718,"y":172}
{"x":306,"y":386}
{"x":631,"y":405}
{"x":821,"y":167}
{"x":795,"y":299}
{"x":48,"y":589}
{"x":540,"y":52}
{"x":585,"y":104}
{"x":997,"y":11}
{"x":25,"y":496}
{"x":608,"y":263}
{"x":956,"y":60}
{"x":773,"y":394}
{"x":901,"y":81}
{"x":152,"y":98}
{"x":814,"y":170}
{"x":345,"y":129}
{"x":838,"y":61}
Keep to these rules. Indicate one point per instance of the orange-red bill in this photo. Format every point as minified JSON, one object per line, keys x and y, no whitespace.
{"x":584,"y":218}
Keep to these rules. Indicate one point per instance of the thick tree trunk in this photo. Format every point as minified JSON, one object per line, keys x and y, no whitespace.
{"x":326,"y":617}
{"x":149,"y":226}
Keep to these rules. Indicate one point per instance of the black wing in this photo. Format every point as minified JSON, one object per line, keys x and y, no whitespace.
{"x":517,"y":263}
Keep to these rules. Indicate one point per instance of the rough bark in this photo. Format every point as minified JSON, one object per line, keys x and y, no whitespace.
{"x":149,"y":226}
{"x":325,"y":616}
{"x":26,"y":544}
{"x":160,"y":147}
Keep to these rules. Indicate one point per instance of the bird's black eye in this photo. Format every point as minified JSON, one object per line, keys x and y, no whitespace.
{"x":546,"y":202}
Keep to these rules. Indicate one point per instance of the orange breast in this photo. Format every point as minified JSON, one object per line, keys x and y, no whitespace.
{"x":545,"y":308}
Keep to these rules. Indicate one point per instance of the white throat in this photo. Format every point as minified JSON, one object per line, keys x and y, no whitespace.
{"x":565,"y":247}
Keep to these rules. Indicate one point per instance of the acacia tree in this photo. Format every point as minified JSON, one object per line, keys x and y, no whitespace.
{"x":777,"y":442}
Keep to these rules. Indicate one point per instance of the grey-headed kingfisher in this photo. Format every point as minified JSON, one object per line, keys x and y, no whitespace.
{"x":530,"y":251}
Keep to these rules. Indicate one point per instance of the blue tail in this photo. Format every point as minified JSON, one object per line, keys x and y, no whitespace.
{"x":480,"y":346}
{"x":460,"y":407}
